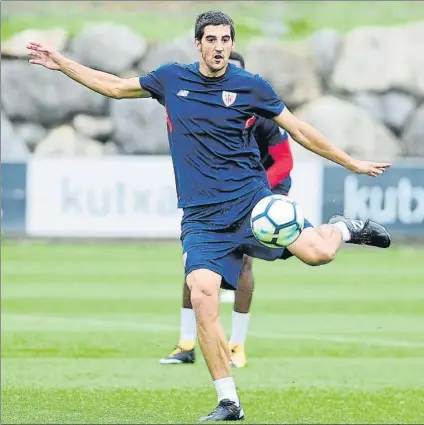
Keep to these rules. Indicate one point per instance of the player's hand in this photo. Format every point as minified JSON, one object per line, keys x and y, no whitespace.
{"x":370,"y":168}
{"x":46,"y":56}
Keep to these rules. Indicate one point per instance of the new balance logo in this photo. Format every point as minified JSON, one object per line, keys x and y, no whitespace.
{"x":357,"y":224}
{"x":183,"y":93}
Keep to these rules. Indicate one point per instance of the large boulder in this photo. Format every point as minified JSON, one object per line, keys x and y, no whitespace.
{"x":393,"y":108}
{"x":140,"y":126}
{"x":108,"y":47}
{"x":13,"y":147}
{"x":350,"y":128}
{"x":110,"y":148}
{"x":33,"y":93}
{"x":15,"y":46}
{"x":100,"y":128}
{"x":180,"y":50}
{"x":291,"y":70}
{"x":382,"y":59}
{"x":325,"y":45}
{"x":398,"y":108}
{"x":31,"y":133}
{"x":64,"y":141}
{"x":413,"y":137}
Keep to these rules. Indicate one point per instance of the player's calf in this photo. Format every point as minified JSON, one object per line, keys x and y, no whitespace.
{"x":317,"y":246}
{"x":204,"y":286}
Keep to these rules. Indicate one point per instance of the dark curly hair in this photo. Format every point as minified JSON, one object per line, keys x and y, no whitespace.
{"x":212,"y":17}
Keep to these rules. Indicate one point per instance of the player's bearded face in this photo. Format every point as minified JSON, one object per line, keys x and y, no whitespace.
{"x":215,"y":47}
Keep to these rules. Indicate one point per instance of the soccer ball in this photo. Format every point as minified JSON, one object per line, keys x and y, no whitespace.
{"x":276,"y":221}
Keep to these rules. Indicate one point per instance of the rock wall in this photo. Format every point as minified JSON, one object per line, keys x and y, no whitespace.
{"x":364,"y":90}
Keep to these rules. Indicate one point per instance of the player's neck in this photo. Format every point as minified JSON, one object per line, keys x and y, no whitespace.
{"x":206,"y":71}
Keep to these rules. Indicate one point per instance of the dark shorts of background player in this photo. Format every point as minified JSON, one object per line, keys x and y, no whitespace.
{"x":221,"y":249}
{"x":283,"y":188}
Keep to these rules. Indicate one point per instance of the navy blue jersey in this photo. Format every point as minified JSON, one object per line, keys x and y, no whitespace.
{"x":267,"y":133}
{"x":210,"y":129}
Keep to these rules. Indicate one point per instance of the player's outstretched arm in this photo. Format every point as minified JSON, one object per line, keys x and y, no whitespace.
{"x":101,"y":82}
{"x":311,"y":139}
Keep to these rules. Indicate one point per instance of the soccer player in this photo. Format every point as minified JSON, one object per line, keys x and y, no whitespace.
{"x":277,"y":159}
{"x":210,"y":107}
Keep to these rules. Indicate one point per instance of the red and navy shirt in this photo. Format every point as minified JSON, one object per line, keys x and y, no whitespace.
{"x":275,"y":152}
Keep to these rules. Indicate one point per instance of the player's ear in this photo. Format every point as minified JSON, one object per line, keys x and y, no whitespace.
{"x":198,"y":45}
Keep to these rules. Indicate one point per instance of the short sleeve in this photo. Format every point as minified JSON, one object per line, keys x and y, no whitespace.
{"x":156,"y":81}
{"x":266,"y":101}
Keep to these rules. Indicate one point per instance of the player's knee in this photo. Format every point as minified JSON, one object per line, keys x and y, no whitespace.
{"x":205,"y":306}
{"x":203,"y":294}
{"x":200,"y":295}
{"x":200,"y":298}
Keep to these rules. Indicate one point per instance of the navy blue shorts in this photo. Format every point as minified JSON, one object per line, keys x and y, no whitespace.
{"x":283,"y":187}
{"x":221,"y":248}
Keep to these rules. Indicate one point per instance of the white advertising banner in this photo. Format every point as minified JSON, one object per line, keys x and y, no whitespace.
{"x":125,"y":197}
{"x":107,"y":197}
{"x":307,"y":180}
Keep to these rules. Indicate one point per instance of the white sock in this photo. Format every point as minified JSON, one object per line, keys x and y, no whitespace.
{"x":226,"y":389}
{"x":240,"y":324}
{"x":343,"y":228}
{"x":188,"y":327}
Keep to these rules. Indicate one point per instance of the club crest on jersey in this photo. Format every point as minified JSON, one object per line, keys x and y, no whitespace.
{"x":228,"y":97}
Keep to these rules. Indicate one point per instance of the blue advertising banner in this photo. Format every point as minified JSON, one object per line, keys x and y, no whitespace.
{"x":13,"y":198}
{"x":395,"y":199}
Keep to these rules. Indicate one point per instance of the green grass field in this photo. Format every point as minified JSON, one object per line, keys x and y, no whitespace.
{"x":83,"y":327}
{"x":164,"y":20}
